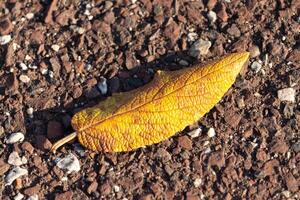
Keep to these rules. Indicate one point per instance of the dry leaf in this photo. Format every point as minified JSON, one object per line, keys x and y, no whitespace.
{"x":158,"y":110}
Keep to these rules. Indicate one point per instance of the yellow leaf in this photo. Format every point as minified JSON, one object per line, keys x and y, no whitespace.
{"x":158,"y":110}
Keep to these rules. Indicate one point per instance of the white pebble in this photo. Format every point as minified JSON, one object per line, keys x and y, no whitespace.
{"x":191,"y":37}
{"x":183,"y":63}
{"x":55,"y":47}
{"x":29,"y":111}
{"x":14,"y":159}
{"x":23,"y":66}
{"x":5,"y":39}
{"x":197,"y":182}
{"x":24,"y":78}
{"x":19,"y":196}
{"x":33,"y":197}
{"x":211,"y":132}
{"x":69,"y":163}
{"x":212,"y":16}
{"x":44,"y":71}
{"x":195,"y":133}
{"x":27,"y":57}
{"x":102,"y":85}
{"x":15,"y":137}
{"x":200,"y":47}
{"x":287,"y":94}
{"x":29,"y":15}
{"x":116,"y":188}
{"x":15,"y":173}
{"x":80,"y":30}
{"x":256,"y":66}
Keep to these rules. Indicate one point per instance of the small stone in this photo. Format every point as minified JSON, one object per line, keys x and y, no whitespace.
{"x":42,"y":143}
{"x":4,"y":167}
{"x":200,"y":47}
{"x":15,"y":173}
{"x":6,"y":26}
{"x":24,"y":78}
{"x":29,"y":15}
{"x":54,"y":130}
{"x":102,"y":85}
{"x":287,"y":94}
{"x":29,"y":111}
{"x":37,"y":37}
{"x":64,"y":196}
{"x":32,"y":190}
{"x":172,"y":31}
{"x":69,"y":163}
{"x":286,"y":194}
{"x":279,"y":147}
{"x":183,"y":63}
{"x":256,"y":66}
{"x":1,"y":130}
{"x":14,"y":159}
{"x":296,"y":147}
{"x":23,"y":66}
{"x":185,"y":142}
{"x":212,"y":16}
{"x":222,"y":14}
{"x":33,"y":197}
{"x":27,"y":147}
{"x":55,"y":47}
{"x":105,"y":188}
{"x":163,"y":155}
{"x":217,"y":159}
{"x":234,"y":31}
{"x":211,"y":132}
{"x":197,"y":182}
{"x":15,"y":137}
{"x":5,"y":39}
{"x":254,"y":51}
{"x":116,"y":188}
{"x":211,"y":4}
{"x":195,"y":133}
{"x":92,"y":187}
{"x":292,"y":183}
{"x":19,"y":196}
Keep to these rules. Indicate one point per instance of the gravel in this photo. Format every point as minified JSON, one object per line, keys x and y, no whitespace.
{"x":5,"y":39}
{"x":15,"y":173}
{"x":287,"y":94}
{"x":211,"y":132}
{"x":70,"y":163}
{"x":199,"y":48}
{"x":15,"y":137}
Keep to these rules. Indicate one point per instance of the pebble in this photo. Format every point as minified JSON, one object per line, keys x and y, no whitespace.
{"x":191,"y":37}
{"x":116,"y":188}
{"x":14,"y":159}
{"x":24,"y":78}
{"x":55,"y":47}
{"x":15,"y":137}
{"x":33,"y":197}
{"x":254,"y":51}
{"x":19,"y":196}
{"x":23,"y":66}
{"x":1,"y":130}
{"x":200,"y":47}
{"x":195,"y":133}
{"x":211,"y":132}
{"x":212,"y":16}
{"x":5,"y":39}
{"x":197,"y":182}
{"x":69,"y":163}
{"x":29,"y":111}
{"x":29,"y":15}
{"x":256,"y":66}
{"x":15,"y":173}
{"x":296,"y":147}
{"x":287,"y":94}
{"x":102,"y":85}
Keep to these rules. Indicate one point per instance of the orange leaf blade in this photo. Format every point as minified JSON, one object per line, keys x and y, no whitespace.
{"x":158,"y":110}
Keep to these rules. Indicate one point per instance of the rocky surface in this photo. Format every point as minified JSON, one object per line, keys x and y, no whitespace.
{"x":59,"y":57}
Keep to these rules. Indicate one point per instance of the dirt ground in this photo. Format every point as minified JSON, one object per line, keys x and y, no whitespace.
{"x":58,"y":57}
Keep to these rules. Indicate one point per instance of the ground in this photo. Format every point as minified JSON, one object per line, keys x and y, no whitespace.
{"x":58,"y":56}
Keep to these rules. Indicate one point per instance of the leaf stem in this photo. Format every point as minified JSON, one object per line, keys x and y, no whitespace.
{"x":63,"y":141}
